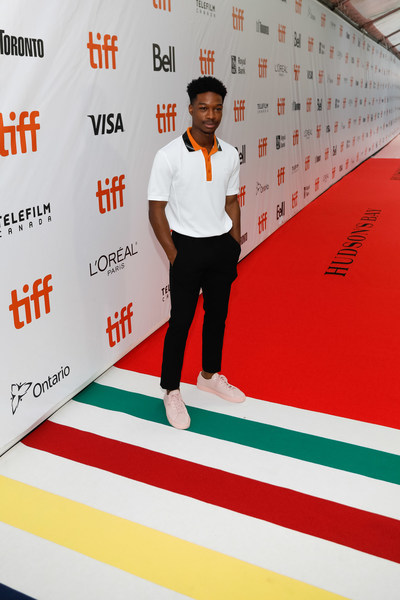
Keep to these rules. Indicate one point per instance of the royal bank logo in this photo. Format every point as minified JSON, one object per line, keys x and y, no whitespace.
{"x":206,"y":9}
{"x":24,"y":219}
{"x":280,"y":141}
{"x":164,"y":62}
{"x":162,"y":4}
{"x":310,"y":74}
{"x":260,"y":28}
{"x":105,"y":124}
{"x":25,"y":305}
{"x":19,"y":390}
{"x":297,"y":40}
{"x":113,"y":262}
{"x":11,"y":134}
{"x":102,"y":53}
{"x":238,"y":65}
{"x":12,"y":45}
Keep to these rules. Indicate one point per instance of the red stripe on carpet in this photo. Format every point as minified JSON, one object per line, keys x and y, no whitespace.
{"x":331,"y":521}
{"x":299,"y":337}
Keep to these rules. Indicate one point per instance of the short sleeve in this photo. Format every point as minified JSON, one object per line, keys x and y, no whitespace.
{"x":160,"y":179}
{"x":233,"y":183}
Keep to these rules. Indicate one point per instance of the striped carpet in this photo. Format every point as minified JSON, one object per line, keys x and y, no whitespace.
{"x":255,"y":501}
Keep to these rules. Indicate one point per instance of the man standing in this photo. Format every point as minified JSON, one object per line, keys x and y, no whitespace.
{"x":193,"y":192}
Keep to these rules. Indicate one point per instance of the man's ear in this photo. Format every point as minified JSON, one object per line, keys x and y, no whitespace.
{"x":190,"y":108}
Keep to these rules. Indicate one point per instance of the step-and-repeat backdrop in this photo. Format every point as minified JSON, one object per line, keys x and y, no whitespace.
{"x":89,"y":91}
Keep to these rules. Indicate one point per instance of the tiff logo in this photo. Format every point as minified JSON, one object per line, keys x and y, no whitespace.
{"x":119,"y":325}
{"x":281,"y":106}
{"x":296,"y":137}
{"x":310,"y":43}
{"x":338,"y":79}
{"x":238,"y":18}
{"x":166,"y":62}
{"x":98,"y":50}
{"x":307,"y":163}
{"x":262,"y":222}
{"x":262,"y":147}
{"x":296,"y":70}
{"x":40,"y":289}
{"x":238,"y":109}
{"x":320,"y":76}
{"x":308,"y":104}
{"x":281,"y":175}
{"x":117,"y":186}
{"x":295,"y":197}
{"x":318,"y":129}
{"x":242,"y":196}
{"x":207,"y":62}
{"x":282,"y":33}
{"x":262,"y":67}
{"x":323,"y":19}
{"x":22,"y":128}
{"x":298,"y":5}
{"x":166,"y":118}
{"x":162,"y":4}
{"x":331,"y":51}
{"x":316,"y":184}
{"x":326,"y":153}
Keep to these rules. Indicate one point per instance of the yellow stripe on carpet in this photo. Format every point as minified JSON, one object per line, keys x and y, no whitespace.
{"x":168,"y":561}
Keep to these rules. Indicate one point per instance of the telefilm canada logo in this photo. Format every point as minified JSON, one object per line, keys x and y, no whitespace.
{"x":205,"y":8}
{"x":19,"y":391}
{"x":22,"y":220}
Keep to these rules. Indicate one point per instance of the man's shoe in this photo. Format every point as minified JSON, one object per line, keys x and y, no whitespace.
{"x":218,"y":384}
{"x":176,"y":411}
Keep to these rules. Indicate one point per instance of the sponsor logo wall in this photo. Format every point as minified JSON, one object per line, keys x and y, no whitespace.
{"x":90,"y":91}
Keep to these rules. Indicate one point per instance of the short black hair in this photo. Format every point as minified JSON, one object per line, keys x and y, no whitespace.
{"x":205,"y":84}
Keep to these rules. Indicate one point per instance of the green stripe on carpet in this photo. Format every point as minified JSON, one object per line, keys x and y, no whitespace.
{"x":330,"y":453}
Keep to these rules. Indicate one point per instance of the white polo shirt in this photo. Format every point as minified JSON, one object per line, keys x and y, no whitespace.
{"x":195,"y":185}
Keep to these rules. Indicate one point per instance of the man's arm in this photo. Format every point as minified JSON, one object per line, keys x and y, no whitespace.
{"x":232,"y":208}
{"x":161,"y":229}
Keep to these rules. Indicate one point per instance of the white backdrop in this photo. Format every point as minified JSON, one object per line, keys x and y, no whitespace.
{"x":89,"y":91}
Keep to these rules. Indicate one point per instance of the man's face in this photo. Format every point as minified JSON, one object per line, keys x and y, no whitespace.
{"x":206,"y":112}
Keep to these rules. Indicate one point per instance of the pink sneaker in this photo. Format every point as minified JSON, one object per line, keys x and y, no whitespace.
{"x":176,"y":411}
{"x":218,"y":384}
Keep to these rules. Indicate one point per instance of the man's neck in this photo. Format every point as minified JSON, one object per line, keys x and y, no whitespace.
{"x":206,"y":140}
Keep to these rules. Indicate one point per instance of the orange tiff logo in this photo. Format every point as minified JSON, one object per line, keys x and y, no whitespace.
{"x":166,"y":118}
{"x":262,"y":67}
{"x":242,"y":196}
{"x":281,"y":33}
{"x":281,"y":106}
{"x":238,"y":18}
{"x":18,"y":131}
{"x":110,"y":192}
{"x":296,"y":70}
{"x":207,"y":62}
{"x":238,"y":109}
{"x":162,"y":4}
{"x":262,"y":147}
{"x":262,"y":222}
{"x":21,"y":308}
{"x":123,"y":321}
{"x":296,"y":137}
{"x":281,"y":175}
{"x":98,"y":51}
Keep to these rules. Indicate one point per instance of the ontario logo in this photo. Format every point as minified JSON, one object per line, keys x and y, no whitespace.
{"x":19,"y":390}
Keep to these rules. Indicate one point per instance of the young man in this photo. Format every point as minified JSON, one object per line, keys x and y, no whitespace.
{"x":193,"y":192}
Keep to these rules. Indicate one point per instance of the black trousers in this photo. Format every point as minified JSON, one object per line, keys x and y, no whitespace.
{"x":209,"y":264}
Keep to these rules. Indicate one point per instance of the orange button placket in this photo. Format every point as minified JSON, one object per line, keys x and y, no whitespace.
{"x":207,"y":156}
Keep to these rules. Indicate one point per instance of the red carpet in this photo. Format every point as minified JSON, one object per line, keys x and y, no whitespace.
{"x":299,"y":336}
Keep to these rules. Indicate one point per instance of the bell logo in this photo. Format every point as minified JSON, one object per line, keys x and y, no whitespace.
{"x":162,"y":4}
{"x":262,"y":222}
{"x":298,"y":4}
{"x":295,"y":197}
{"x":296,"y":137}
{"x":262,"y":147}
{"x":40,"y":289}
{"x":310,"y":44}
{"x":119,"y":326}
{"x":308,"y":104}
{"x":281,"y":106}
{"x":242,"y":196}
{"x":281,"y":175}
{"x":296,"y":70}
{"x":238,"y":18}
{"x":207,"y":62}
{"x":22,"y":128}
{"x":238,"y":110}
{"x":97,"y":51}
{"x":166,"y":62}
{"x":262,"y":67}
{"x":280,"y":211}
{"x":166,"y":118}
{"x":99,"y":123}
{"x":282,"y":33}
{"x":117,"y":186}
{"x":307,"y":163}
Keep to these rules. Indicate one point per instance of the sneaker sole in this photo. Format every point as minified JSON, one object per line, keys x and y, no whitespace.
{"x":228,"y":398}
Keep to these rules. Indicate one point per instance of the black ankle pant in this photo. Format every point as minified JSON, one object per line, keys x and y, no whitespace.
{"x":201,"y":263}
